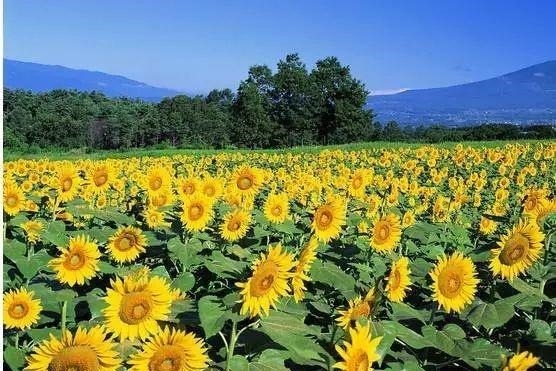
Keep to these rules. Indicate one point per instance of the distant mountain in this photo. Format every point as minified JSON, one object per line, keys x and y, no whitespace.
{"x":524,"y":96}
{"x":42,"y":78}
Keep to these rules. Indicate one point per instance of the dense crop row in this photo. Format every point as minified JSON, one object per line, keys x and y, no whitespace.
{"x":398,"y":259}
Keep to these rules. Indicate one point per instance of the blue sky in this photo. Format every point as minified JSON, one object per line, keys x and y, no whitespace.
{"x":195,"y":46}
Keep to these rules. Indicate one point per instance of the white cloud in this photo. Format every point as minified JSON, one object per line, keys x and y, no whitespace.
{"x":387,"y":91}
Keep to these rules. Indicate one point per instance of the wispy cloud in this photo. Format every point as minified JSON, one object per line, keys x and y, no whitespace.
{"x":387,"y":91}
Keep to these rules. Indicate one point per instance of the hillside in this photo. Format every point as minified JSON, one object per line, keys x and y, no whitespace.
{"x":524,"y":96}
{"x":42,"y":78}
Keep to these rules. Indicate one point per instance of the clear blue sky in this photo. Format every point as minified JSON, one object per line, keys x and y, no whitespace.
{"x":197,"y":45}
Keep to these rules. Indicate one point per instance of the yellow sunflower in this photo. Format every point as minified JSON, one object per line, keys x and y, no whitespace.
{"x":154,"y":218}
{"x":358,"y":183}
{"x":360,"y":353}
{"x":79,"y":262}
{"x":101,"y":175}
{"x":197,"y":212}
{"x":235,"y":225}
{"x":487,"y":226}
{"x":126,"y":244}
{"x":454,"y":283}
{"x":158,"y":180}
{"x":398,"y":280}
{"x":276,"y":207}
{"x":532,"y":200}
{"x":212,"y":187}
{"x":187,"y":186}
{"x":171,"y":350}
{"x":357,"y":308}
{"x":68,"y":183}
{"x":247,"y":180}
{"x":268,"y":282}
{"x":517,"y":250}
{"x":21,"y":311}
{"x":303,"y":265}
{"x":33,"y":229}
{"x":520,"y":362}
{"x":135,"y":304}
{"x":386,"y":233}
{"x":14,"y":200}
{"x":328,"y":219}
{"x":89,"y":349}
{"x":544,"y":209}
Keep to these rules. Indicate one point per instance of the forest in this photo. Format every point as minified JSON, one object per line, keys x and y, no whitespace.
{"x":289,"y":107}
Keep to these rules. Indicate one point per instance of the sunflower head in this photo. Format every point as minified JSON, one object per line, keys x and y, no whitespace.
{"x":33,"y":229}
{"x":89,"y":349}
{"x":235,"y":225}
{"x":247,"y":180}
{"x":14,"y":200}
{"x":170,"y":350}
{"x":268,"y":282}
{"x":398,"y":280}
{"x":386,"y":233}
{"x":328,"y":219}
{"x":302,"y":267}
{"x":126,"y":244}
{"x":79,"y":262}
{"x":197,"y":212}
{"x":68,"y":182}
{"x":21,"y":311}
{"x":358,"y":308}
{"x":520,"y":362}
{"x":360,"y":352}
{"x":517,"y":250}
{"x":276,"y":207}
{"x":454,"y":282}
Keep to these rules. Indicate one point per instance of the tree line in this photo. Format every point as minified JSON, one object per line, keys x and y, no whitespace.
{"x":290,"y":107}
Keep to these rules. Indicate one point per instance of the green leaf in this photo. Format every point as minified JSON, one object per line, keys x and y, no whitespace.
{"x":331,"y":275}
{"x":482,"y":352}
{"x":402,"y":311}
{"x":186,"y":254}
{"x":541,"y":331}
{"x":212,"y":314}
{"x":454,"y":331}
{"x":269,"y":360}
{"x":39,"y":334}
{"x":55,"y":234}
{"x":491,"y":315}
{"x":29,"y":268}
{"x":405,"y":335}
{"x":224,"y":266}
{"x":439,"y":339}
{"x":14,"y":250}
{"x":15,"y":358}
{"x":185,"y":281}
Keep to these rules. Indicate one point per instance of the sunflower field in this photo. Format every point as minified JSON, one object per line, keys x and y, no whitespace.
{"x":421,"y":258}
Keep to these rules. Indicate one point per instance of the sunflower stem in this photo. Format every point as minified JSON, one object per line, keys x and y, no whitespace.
{"x":63,"y":315}
{"x":17,"y":340}
{"x":547,"y":248}
{"x":231,"y":346}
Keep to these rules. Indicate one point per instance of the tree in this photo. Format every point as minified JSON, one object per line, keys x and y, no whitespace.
{"x":340,"y":104}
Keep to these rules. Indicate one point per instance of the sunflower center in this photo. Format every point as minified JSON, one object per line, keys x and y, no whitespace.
{"x":135,"y":307}
{"x":195,"y":211}
{"x":516,"y":248}
{"x":209,"y":191}
{"x":362,"y":309}
{"x":167,"y":358}
{"x":66,"y":184}
{"x":12,"y":201}
{"x":188,"y":189}
{"x":126,"y":242}
{"x":75,"y":260}
{"x":358,"y":362}
{"x":100,"y":177}
{"x":262,"y":281}
{"x":325,"y":218}
{"x":357,"y":182}
{"x":155,"y":183}
{"x":449,"y":283}
{"x":75,"y":358}
{"x":277,"y":211}
{"x":244,"y":183}
{"x":234,"y":226}
{"x":395,"y":280}
{"x":18,"y":310}
{"x":531,"y":203}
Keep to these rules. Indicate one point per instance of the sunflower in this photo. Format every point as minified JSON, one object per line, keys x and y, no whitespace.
{"x":135,"y":304}
{"x":268,"y":282}
{"x":21,"y":311}
{"x":32,"y":229}
{"x":544,"y":209}
{"x":454,"y":282}
{"x":358,"y":183}
{"x":158,"y":180}
{"x":187,"y":186}
{"x":235,"y":225}
{"x":520,"y":362}
{"x":398,"y":280}
{"x":517,"y":250}
{"x":101,"y":175}
{"x":89,"y":349}
{"x":276,"y":207}
{"x":126,"y":244}
{"x":487,"y":226}
{"x":68,"y":183}
{"x":212,"y":187}
{"x":303,"y":265}
{"x":357,"y":308}
{"x":386,"y":233}
{"x":154,"y":218}
{"x":360,"y":353}
{"x":79,"y":262}
{"x":174,"y":350}
{"x":328,"y":219}
{"x":532,"y":200}
{"x":14,"y":200}
{"x":160,"y":199}
{"x":247,"y":180}
{"x":197,"y":212}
